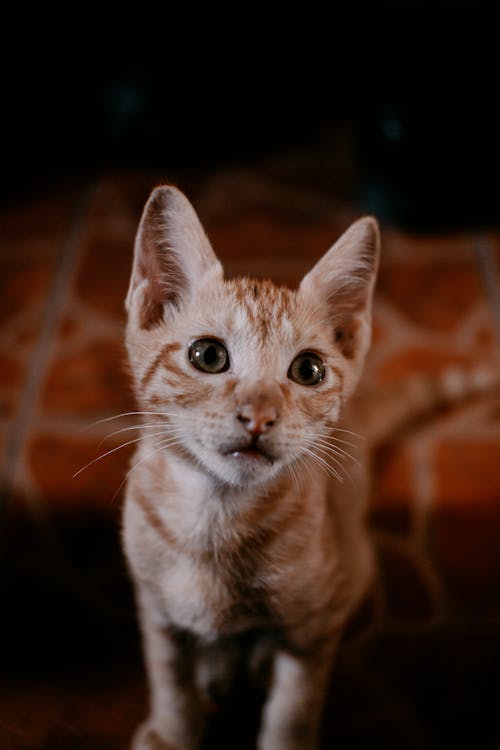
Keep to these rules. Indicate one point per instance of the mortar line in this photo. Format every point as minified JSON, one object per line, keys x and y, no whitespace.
{"x":56,"y":298}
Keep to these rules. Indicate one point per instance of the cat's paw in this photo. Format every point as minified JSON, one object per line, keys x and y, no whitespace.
{"x":149,"y":738}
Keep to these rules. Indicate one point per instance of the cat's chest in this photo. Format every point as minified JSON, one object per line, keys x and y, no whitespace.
{"x":206,"y":595}
{"x":207,"y":578}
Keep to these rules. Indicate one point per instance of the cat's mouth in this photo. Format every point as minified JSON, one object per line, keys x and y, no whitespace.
{"x":253,"y":451}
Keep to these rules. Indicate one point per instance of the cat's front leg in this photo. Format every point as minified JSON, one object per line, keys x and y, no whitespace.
{"x":292,"y":713}
{"x":175,"y":718}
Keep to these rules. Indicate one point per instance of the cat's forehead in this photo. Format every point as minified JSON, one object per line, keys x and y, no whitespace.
{"x":252,"y":307}
{"x":261,"y":304}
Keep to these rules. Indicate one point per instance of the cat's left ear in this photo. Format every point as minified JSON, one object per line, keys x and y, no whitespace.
{"x":172,"y":257}
{"x":342,"y":284}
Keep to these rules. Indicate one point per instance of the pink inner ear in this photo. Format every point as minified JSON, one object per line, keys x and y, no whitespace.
{"x":172,"y":254}
{"x":349,"y":306}
{"x":165,"y":279}
{"x":343,"y":280}
{"x":151,"y":308}
{"x":159,"y":265}
{"x":346,"y":337}
{"x":150,"y":313}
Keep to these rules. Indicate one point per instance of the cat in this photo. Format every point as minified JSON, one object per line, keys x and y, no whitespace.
{"x":237,"y":527}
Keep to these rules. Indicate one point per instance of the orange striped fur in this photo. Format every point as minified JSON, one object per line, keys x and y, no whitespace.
{"x":236,"y":518}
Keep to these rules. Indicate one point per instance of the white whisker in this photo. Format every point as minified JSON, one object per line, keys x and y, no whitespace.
{"x":326,"y":466}
{"x":293,"y":473}
{"x":131,"y":414}
{"x":341,"y":464}
{"x":303,"y":462}
{"x":348,"y":432}
{"x":334,"y":449}
{"x":327,"y":452}
{"x":168,"y":428}
{"x":159,"y":447}
{"x":113,"y":450}
{"x":339,"y":440}
{"x":333,"y":457}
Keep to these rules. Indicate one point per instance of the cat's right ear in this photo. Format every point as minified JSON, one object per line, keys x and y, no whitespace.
{"x":172,"y":257}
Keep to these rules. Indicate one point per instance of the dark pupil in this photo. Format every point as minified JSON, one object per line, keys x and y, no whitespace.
{"x":211,"y":355}
{"x":307,"y":370}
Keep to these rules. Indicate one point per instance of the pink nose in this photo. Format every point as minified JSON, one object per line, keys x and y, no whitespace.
{"x":257,"y":419}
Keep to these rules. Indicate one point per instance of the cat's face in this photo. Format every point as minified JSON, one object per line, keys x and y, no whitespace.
{"x":250,"y":377}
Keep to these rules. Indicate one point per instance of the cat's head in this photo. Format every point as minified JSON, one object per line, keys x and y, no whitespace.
{"x":250,"y":377}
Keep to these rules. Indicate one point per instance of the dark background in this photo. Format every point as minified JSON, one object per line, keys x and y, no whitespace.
{"x":414,"y":82}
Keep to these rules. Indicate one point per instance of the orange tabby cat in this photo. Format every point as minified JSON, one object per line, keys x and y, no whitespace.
{"x":236,"y":527}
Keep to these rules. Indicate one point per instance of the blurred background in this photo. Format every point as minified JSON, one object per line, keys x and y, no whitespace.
{"x":280,"y":138}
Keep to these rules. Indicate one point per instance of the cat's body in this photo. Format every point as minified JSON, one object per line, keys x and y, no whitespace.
{"x":235,"y":526}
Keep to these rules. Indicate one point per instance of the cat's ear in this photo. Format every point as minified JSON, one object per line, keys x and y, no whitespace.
{"x":342,"y":283}
{"x":172,"y":257}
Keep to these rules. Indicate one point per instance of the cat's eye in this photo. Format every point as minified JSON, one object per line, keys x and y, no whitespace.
{"x":307,"y":369}
{"x":209,"y":355}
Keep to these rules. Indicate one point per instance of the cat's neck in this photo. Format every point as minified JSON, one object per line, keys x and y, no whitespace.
{"x":203,"y":487}
{"x":193,"y":499}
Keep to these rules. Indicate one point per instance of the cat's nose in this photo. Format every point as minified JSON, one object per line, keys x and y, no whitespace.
{"x":257,"y":418}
